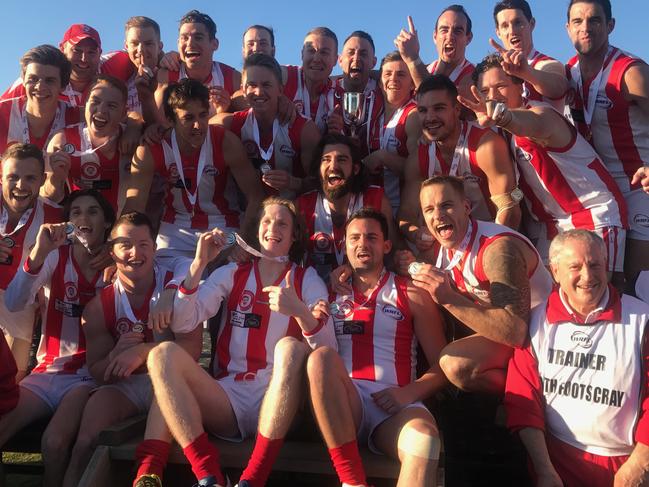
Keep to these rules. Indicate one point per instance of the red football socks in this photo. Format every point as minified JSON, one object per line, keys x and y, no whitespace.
{"x":204,"y":459}
{"x":348,"y":464}
{"x":151,"y":457}
{"x":261,"y":461}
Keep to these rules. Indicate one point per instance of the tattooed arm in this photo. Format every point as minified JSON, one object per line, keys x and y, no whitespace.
{"x":505,"y":319}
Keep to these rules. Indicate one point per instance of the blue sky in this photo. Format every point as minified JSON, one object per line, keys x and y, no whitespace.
{"x":291,"y":20}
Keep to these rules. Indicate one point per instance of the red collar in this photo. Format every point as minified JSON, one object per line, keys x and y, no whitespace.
{"x":559,"y":312}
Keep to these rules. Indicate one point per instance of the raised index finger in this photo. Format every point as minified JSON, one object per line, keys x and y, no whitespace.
{"x":411,"y":25}
{"x":497,"y":46}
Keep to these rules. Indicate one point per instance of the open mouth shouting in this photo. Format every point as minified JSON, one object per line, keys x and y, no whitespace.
{"x":335,"y":179}
{"x":516,"y":42}
{"x":135,"y":263}
{"x":99,"y":121}
{"x":192,"y":55}
{"x":21,"y":196}
{"x":445,"y":231}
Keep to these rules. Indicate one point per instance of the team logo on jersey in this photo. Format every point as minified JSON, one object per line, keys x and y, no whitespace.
{"x":343,"y":310}
{"x":251,"y":149}
{"x":173,"y":173}
{"x":210,"y":171}
{"x":287,"y":150}
{"x":69,"y":148}
{"x":299,"y":106}
{"x":323,"y":242}
{"x":90,"y":170}
{"x":71,"y":291}
{"x":642,"y":220}
{"x":138,"y":327}
{"x":581,"y":339}
{"x":392,"y":312}
{"x":123,"y":325}
{"x":604,"y":102}
{"x":522,"y":155}
{"x":245,"y":301}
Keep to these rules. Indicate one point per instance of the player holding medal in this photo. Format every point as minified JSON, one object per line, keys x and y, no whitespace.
{"x":282,"y":152}
{"x":195,"y":159}
{"x":370,"y":388}
{"x":119,"y":335}
{"x":60,"y":384}
{"x":487,"y":276}
{"x":267,"y":328}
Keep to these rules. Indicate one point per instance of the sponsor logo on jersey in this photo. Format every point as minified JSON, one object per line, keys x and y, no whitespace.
{"x":287,"y":150}
{"x":642,"y":220}
{"x":393,"y":312}
{"x":581,"y":339}
{"x":604,"y":102}
{"x":210,"y":171}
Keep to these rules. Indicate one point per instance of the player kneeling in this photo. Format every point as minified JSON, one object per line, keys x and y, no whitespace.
{"x":368,"y":393}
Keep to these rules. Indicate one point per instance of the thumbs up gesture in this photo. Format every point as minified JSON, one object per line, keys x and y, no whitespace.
{"x":284,"y":300}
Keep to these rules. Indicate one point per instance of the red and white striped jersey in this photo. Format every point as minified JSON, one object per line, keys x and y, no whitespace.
{"x":591,"y":372}
{"x":287,"y":145}
{"x":376,"y":337}
{"x":249,"y":330}
{"x":221,"y":77}
{"x":464,"y":165}
{"x":394,"y":139}
{"x":216,"y":201}
{"x":23,"y":237}
{"x":369,"y":132}
{"x":617,"y":128}
{"x":318,"y":109}
{"x":461,"y":71}
{"x":62,"y":347}
{"x":90,"y":168}
{"x":529,"y":92}
{"x":120,"y":317}
{"x":326,"y":247}
{"x":116,"y":63}
{"x":14,"y":127}
{"x":467,"y":267}
{"x":568,"y":187}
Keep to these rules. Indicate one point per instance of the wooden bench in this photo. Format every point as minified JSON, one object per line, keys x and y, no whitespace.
{"x":118,"y":444}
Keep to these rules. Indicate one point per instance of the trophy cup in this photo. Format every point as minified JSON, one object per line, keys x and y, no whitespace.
{"x":354,"y":110}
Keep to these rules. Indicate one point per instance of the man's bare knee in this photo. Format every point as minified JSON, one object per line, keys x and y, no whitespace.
{"x":458,"y":370}
{"x":320,"y":362}
{"x":289,"y":352}
{"x":161,"y":355}
{"x":55,"y":446}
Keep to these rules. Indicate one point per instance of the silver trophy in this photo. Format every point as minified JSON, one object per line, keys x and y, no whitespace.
{"x":354,"y":110}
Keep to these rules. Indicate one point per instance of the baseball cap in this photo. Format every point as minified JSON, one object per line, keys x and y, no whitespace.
{"x":78,"y":32}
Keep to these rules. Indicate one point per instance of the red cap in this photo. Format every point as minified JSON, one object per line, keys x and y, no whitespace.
{"x":79,"y":32}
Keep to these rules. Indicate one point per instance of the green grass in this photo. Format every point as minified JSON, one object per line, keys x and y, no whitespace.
{"x":26,"y":459}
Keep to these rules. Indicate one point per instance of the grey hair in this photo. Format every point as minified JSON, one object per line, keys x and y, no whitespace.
{"x":558,"y":243}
